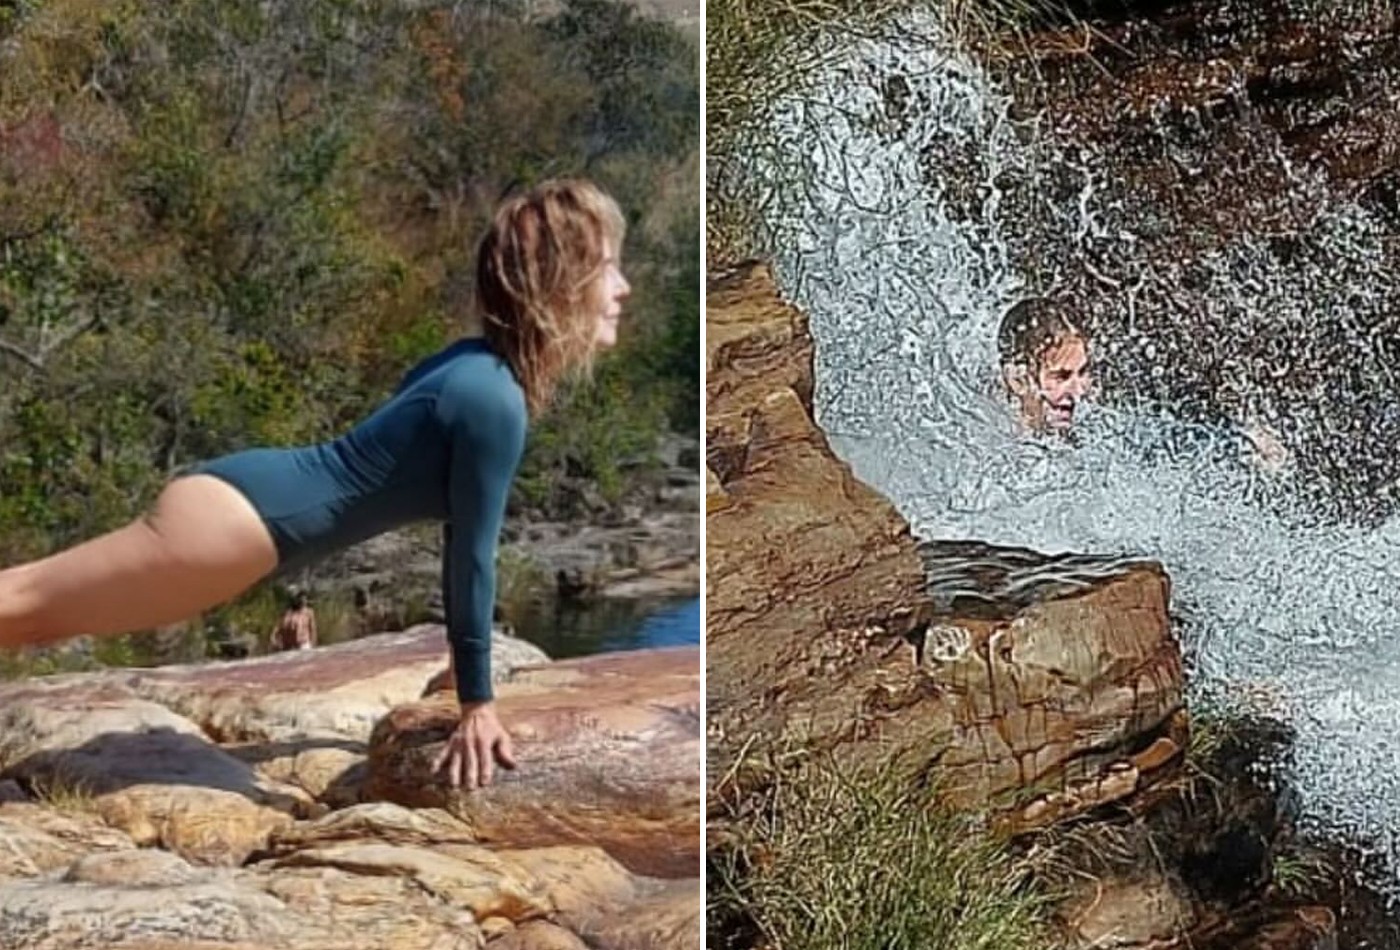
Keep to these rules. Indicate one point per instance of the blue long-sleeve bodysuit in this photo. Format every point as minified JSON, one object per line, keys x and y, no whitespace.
{"x":444,"y":447}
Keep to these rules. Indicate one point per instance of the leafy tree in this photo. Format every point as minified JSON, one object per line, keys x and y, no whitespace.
{"x":238,"y":223}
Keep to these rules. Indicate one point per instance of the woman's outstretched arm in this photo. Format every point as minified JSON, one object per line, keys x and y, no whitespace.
{"x":486,"y":423}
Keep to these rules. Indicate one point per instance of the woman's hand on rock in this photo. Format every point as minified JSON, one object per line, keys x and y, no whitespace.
{"x":475,"y":747}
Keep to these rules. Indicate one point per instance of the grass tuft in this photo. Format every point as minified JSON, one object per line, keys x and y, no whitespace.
{"x":1301,"y":873}
{"x":822,"y":859}
{"x":63,"y":793}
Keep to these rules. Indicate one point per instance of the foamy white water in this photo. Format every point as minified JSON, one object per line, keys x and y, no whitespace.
{"x":905,"y":286}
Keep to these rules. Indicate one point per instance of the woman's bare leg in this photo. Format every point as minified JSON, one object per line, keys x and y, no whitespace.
{"x":202,"y":544}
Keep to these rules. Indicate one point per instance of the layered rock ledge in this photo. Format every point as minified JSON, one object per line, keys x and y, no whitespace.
{"x":1055,"y":681}
{"x":233,"y":805}
{"x":1047,"y":690}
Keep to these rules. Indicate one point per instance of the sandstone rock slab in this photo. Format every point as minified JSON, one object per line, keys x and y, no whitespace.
{"x":148,"y":772}
{"x":609,"y":752}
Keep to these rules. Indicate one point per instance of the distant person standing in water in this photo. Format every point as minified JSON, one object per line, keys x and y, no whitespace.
{"x":297,"y":628}
{"x":1044,"y":364}
{"x":444,"y":447}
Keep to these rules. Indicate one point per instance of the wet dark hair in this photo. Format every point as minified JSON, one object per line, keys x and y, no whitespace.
{"x":1033,"y":326}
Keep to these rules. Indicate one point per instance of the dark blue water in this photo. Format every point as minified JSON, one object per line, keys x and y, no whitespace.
{"x":570,"y":629}
{"x":672,"y":626}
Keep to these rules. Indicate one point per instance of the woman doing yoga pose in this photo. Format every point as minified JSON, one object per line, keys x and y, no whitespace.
{"x":444,"y":447}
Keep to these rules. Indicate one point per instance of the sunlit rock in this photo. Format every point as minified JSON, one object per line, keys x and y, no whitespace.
{"x":334,"y":692}
{"x":609,"y":753}
{"x":146,"y":771}
{"x":36,"y":839}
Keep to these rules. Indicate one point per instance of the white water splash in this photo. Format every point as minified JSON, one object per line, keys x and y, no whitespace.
{"x":905,"y":286}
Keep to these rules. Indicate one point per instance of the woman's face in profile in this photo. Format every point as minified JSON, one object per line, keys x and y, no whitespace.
{"x":605,"y":296}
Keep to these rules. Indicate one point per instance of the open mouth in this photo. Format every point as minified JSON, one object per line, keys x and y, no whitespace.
{"x":1059,"y":415}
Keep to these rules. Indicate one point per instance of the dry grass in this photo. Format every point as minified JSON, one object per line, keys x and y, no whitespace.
{"x":63,"y":793}
{"x":823,"y":859}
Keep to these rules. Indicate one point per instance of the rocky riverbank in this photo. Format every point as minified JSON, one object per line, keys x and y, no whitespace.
{"x":1046,"y":692}
{"x":287,"y":802}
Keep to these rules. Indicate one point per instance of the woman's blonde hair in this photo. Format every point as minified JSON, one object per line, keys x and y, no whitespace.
{"x":534,"y":266}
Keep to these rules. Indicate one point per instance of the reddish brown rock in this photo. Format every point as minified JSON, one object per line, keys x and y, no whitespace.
{"x":810,"y":572}
{"x":1302,"y":928}
{"x":1311,"y":927}
{"x":997,"y":670}
{"x":335,"y":692}
{"x":609,"y":752}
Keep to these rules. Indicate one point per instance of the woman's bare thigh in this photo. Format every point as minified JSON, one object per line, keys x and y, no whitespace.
{"x":201,"y":544}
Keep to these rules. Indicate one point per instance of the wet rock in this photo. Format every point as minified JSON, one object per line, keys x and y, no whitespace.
{"x":998,"y":670}
{"x":1053,"y":668}
{"x":609,"y":752}
{"x":809,"y":570}
{"x":1288,"y":928}
{"x":1244,"y":239}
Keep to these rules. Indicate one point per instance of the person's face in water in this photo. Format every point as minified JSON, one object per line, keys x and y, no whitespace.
{"x":1049,"y":390}
{"x":606,"y":294}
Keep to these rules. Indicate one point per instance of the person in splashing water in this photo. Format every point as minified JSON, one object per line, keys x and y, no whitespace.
{"x":1047,"y":371}
{"x":1045,"y":364}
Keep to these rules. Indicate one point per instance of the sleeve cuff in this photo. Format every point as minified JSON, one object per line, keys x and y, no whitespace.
{"x":473,"y":669}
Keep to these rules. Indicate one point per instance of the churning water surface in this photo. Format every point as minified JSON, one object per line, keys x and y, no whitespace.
{"x":904,"y":297}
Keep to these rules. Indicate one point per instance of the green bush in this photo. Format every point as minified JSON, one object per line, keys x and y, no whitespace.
{"x":236,"y":224}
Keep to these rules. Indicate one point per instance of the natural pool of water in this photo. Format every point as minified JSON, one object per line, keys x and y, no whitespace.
{"x":577,"y":629}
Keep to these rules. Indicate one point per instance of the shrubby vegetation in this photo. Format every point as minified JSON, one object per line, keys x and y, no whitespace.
{"x":237,"y":223}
